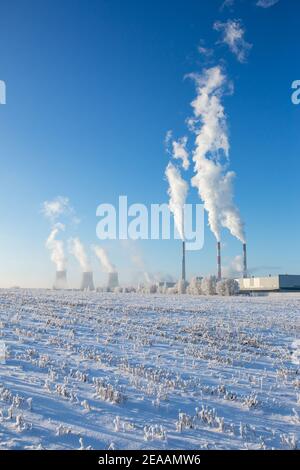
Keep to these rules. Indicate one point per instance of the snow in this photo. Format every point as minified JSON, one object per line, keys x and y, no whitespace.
{"x":129,"y":371}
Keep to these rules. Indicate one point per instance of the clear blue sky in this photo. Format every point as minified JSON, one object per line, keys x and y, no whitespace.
{"x":93,"y":87}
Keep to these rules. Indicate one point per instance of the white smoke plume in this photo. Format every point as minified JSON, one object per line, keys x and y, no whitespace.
{"x":235,"y":268}
{"x":177,"y":148}
{"x":77,"y":249}
{"x":177,"y":191}
{"x":56,"y":248}
{"x":233,"y":36}
{"x":266,"y":3}
{"x":102,"y":255}
{"x":227,"y":4}
{"x":205,"y":51}
{"x":214,"y":183}
{"x":180,"y":152}
{"x":58,"y":207}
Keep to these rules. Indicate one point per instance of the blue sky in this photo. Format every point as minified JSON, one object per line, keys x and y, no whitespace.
{"x":92,"y":89}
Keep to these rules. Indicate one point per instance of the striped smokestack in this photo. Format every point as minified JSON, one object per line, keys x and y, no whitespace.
{"x":219,"y":261}
{"x":245,"y":273}
{"x":183,"y":261}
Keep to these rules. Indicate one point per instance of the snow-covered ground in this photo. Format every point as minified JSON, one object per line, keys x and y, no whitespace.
{"x":148,"y":372}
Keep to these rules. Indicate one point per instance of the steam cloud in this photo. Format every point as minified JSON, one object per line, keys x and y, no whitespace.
{"x":56,"y":248}
{"x":266,"y":3}
{"x":180,"y":152}
{"x":214,"y":183}
{"x":59,"y":206}
{"x":177,"y":191}
{"x":102,"y":255}
{"x":178,"y":149}
{"x":235,"y":267}
{"x":77,"y":249}
{"x":233,"y":35}
{"x":227,"y":4}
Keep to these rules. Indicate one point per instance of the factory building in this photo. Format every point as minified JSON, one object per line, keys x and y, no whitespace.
{"x":278,"y":283}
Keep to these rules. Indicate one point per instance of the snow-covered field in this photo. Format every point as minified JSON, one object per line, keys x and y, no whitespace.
{"x":148,"y":372}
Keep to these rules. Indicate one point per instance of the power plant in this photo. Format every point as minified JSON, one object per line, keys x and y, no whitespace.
{"x":60,"y":280}
{"x":87,"y":282}
{"x":247,"y":284}
{"x":113,"y":280}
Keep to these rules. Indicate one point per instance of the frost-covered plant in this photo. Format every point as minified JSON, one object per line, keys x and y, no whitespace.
{"x":21,"y":425}
{"x":208,"y":285}
{"x":185,"y":421}
{"x":296,"y":416}
{"x":251,"y":401}
{"x":86,"y":405}
{"x":155,"y":432}
{"x":227,"y":287}
{"x":194,"y":287}
{"x":289,"y":440}
{"x":181,"y":287}
{"x":105,"y":391}
{"x":117,"y":423}
{"x":62,"y":430}
{"x":82,"y":447}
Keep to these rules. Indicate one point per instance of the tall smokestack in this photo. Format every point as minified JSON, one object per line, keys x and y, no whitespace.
{"x":87,"y":282}
{"x":245,"y":273}
{"x":60,"y":280}
{"x":183,"y":277}
{"x":219,"y":261}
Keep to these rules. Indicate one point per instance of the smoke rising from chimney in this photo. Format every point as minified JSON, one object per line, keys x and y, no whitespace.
{"x":177,"y":148}
{"x":177,"y":191}
{"x":56,"y":248}
{"x":180,"y":152}
{"x":102,"y":255}
{"x":214,"y":183}
{"x":77,"y":249}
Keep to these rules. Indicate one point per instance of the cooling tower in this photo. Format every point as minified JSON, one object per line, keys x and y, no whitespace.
{"x":87,"y":282}
{"x":183,"y":262}
{"x":245,"y":273}
{"x":60,"y":280}
{"x":219,"y":261}
{"x":113,"y":280}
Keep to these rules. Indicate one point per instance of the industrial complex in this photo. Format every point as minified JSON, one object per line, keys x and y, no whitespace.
{"x":278,"y":283}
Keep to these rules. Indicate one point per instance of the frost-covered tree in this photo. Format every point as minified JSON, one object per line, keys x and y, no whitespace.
{"x":227,"y":287}
{"x":194,"y":287}
{"x":208,"y":285}
{"x":181,"y":287}
{"x":153,"y":288}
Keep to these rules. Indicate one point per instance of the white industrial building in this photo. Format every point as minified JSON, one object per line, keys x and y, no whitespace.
{"x":278,"y":283}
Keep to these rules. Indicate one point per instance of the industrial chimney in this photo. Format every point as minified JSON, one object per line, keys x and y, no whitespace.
{"x":219,"y":261}
{"x":60,"y":280}
{"x":183,"y":276}
{"x":87,"y":282}
{"x":113,"y":280}
{"x":245,"y":273}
